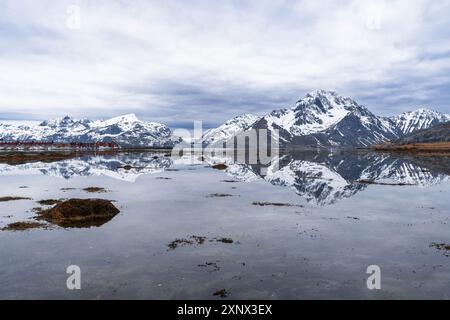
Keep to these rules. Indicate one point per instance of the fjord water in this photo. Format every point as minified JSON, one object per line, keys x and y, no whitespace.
{"x":306,"y":228}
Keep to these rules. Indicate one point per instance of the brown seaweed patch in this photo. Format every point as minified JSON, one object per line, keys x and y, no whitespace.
{"x":192,"y":240}
{"x":443,"y":247}
{"x":80,"y":213}
{"x":196,"y":240}
{"x":220,"y":166}
{"x":223,"y":240}
{"x":5,"y":199}
{"x":221,"y":293}
{"x":219,"y":195}
{"x":276,"y":204}
{"x":49,"y":202}
{"x":95,"y":190}
{"x":213,"y":266}
{"x":22,"y":226}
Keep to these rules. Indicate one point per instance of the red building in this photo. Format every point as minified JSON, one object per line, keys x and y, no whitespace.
{"x":50,"y":145}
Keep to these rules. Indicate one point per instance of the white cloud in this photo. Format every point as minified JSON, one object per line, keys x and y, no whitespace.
{"x":183,"y":60}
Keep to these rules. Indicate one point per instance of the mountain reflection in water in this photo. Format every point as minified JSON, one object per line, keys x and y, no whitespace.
{"x":321,"y":178}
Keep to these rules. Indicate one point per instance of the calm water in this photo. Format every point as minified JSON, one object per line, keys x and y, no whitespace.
{"x":319,"y":247}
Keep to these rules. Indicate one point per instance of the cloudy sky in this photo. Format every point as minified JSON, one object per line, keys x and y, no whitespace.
{"x":178,"y":61}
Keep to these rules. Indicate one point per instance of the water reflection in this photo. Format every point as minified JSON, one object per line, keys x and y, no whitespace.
{"x":320,"y":177}
{"x":122,"y":166}
{"x":324,"y":178}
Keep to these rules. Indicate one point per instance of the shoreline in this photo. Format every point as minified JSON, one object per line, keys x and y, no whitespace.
{"x":415,"y":148}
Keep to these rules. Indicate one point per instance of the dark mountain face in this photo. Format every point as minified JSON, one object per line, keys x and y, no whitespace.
{"x":325,"y":119}
{"x":420,"y":119}
{"x":349,"y":132}
{"x":439,"y":133}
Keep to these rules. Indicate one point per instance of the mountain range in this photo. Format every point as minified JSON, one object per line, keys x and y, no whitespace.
{"x":326,"y":119}
{"x":126,"y":131}
{"x":321,"y":119}
{"x":437,"y":133}
{"x":420,"y":119}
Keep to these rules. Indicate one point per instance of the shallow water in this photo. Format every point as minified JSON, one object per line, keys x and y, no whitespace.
{"x":338,"y":222}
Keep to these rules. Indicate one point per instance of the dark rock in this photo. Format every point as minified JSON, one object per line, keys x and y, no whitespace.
{"x":80,"y":213}
{"x":220,"y":166}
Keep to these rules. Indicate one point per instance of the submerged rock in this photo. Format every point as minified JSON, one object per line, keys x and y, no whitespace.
{"x":80,"y":213}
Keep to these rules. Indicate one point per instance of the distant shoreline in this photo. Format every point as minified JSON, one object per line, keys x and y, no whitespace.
{"x":440,"y":147}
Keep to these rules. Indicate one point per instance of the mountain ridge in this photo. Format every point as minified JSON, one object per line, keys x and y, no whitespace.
{"x":419,"y":119}
{"x":126,"y":130}
{"x":327,"y":119}
{"x":320,"y":119}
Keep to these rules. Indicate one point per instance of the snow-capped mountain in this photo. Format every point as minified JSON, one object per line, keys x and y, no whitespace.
{"x":228,"y":130}
{"x":321,"y":119}
{"x":126,"y":130}
{"x":423,"y":118}
{"x":326,"y":119}
{"x":438,"y":133}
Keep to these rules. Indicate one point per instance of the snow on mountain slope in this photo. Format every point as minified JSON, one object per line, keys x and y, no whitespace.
{"x":436,"y":134}
{"x":316,"y":112}
{"x":126,"y":130}
{"x":423,"y":118}
{"x":228,"y":130}
{"x":324,"y":118}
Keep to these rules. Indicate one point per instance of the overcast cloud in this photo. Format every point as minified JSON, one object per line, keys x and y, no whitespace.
{"x":179,"y":61}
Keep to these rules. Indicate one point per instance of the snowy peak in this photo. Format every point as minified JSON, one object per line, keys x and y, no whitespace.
{"x":126,"y":130}
{"x":126,"y":119}
{"x":316,"y":112}
{"x":58,"y":122}
{"x":229,"y":129}
{"x":422,"y":118}
{"x":326,"y":119}
{"x":320,"y":110}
